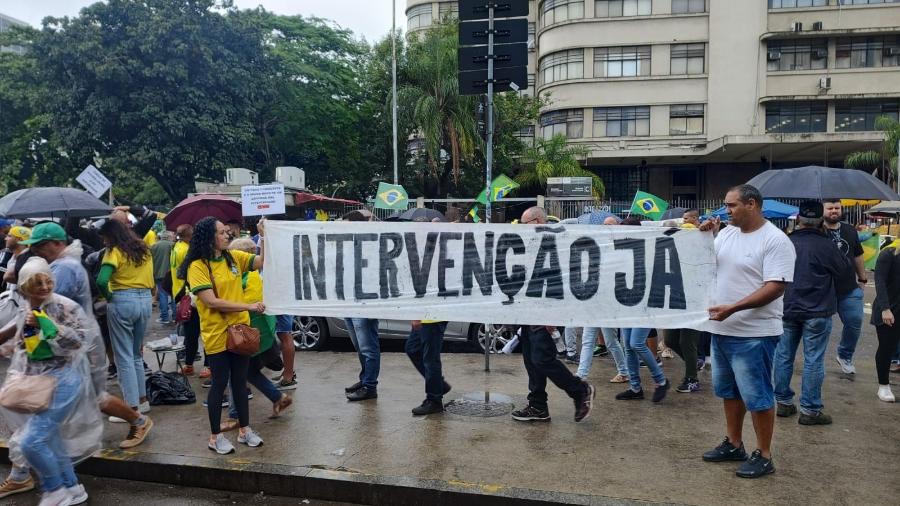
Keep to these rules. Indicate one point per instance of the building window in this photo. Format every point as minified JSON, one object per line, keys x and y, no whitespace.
{"x":619,"y":8}
{"x":532,"y":29}
{"x":627,"y":61}
{"x":868,"y":2}
{"x":686,"y":119}
{"x":791,"y":4}
{"x":688,"y":59}
{"x":860,"y":115}
{"x":562,"y":65}
{"x":796,"y":117}
{"x":621,"y":121}
{"x":622,"y":182}
{"x":557,"y":11}
{"x":448,"y":10}
{"x":568,"y":122}
{"x":418,"y":17}
{"x":801,"y":54}
{"x":526,"y":135}
{"x":688,"y":6}
{"x":861,"y":52}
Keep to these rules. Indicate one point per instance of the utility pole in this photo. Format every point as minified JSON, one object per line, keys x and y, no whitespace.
{"x":394,"y":85}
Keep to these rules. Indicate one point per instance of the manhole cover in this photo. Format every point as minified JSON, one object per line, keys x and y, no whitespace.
{"x":480,"y":404}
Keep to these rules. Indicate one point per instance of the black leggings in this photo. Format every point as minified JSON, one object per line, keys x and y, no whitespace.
{"x":225,"y":366}
{"x":192,"y":338}
{"x":887,"y":346}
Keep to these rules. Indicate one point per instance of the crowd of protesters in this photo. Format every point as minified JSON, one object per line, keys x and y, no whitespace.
{"x":79,"y":297}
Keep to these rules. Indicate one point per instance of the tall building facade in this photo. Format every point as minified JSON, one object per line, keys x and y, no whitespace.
{"x":6,"y":22}
{"x":684,"y":98}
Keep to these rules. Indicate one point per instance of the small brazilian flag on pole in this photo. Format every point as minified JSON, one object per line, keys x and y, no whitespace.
{"x":649,"y":205}
{"x":500,"y":188}
{"x":391,"y":196}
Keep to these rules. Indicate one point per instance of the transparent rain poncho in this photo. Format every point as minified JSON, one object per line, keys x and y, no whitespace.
{"x":82,"y":429}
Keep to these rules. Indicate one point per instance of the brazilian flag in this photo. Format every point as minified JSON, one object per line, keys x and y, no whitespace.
{"x":870,"y":247}
{"x":36,"y":345}
{"x":649,"y":205}
{"x":391,"y":196}
{"x":501,"y":186}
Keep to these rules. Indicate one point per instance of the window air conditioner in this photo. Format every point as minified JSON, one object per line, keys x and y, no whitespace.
{"x":824,"y":83}
{"x":796,"y":26}
{"x":818,"y":26}
{"x":241,"y":177}
{"x":773,"y":56}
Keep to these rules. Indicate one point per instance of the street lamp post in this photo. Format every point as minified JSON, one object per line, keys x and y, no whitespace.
{"x":394,"y":81}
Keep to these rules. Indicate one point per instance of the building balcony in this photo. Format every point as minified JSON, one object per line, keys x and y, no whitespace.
{"x":845,"y":83}
{"x":626,"y":91}
{"x":640,"y":30}
{"x":835,"y":19}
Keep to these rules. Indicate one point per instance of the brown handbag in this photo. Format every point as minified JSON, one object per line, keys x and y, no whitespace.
{"x":242,"y":339}
{"x":27,"y":394}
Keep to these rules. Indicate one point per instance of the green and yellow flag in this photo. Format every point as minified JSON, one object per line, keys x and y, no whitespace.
{"x":870,"y":250}
{"x":391,"y":196}
{"x":649,"y":205}
{"x":500,"y":188}
{"x":36,"y":345}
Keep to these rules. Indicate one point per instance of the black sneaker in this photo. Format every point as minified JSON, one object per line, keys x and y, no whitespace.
{"x":112,"y":372}
{"x":354,"y":387}
{"x":756,"y":466}
{"x":660,"y":393}
{"x":531,"y":414}
{"x":428,"y":407}
{"x":362,"y":394}
{"x":817,"y":419}
{"x":446,"y":389}
{"x":688,"y":385}
{"x":630,"y":395}
{"x":572,"y":359}
{"x":584,"y":405}
{"x":786,"y":410}
{"x":147,"y":371}
{"x":206,"y":383}
{"x":601,"y":351}
{"x":726,"y":452}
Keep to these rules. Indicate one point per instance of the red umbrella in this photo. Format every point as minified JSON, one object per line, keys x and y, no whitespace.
{"x":193,"y":209}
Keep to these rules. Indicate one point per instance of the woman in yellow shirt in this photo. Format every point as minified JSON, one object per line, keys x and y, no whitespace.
{"x":214,"y":275}
{"x":125,"y":280}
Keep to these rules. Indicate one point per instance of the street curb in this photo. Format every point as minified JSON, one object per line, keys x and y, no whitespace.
{"x":343,"y":485}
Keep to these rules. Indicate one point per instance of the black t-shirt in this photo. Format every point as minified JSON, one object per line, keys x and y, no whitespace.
{"x":847,"y":241}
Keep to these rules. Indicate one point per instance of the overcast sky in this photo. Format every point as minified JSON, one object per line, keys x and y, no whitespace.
{"x":367,"y":18}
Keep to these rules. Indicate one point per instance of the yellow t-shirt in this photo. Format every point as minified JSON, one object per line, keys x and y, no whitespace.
{"x":213,"y":323}
{"x":151,"y":238}
{"x":253,"y":292}
{"x":179,"y":252}
{"x":128,"y":275}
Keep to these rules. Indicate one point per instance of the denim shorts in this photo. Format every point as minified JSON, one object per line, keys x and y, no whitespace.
{"x":742,"y":369}
{"x":284,"y":323}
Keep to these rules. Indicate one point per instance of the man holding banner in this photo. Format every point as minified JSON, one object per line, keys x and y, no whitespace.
{"x":755,"y":261}
{"x":541,"y":363}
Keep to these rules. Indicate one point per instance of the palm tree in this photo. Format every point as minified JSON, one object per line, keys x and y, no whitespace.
{"x":871,"y":161}
{"x":431,"y":103}
{"x":556,"y":158}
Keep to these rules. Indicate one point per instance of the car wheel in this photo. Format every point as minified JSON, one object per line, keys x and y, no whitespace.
{"x":502,"y":334}
{"x":310,"y":333}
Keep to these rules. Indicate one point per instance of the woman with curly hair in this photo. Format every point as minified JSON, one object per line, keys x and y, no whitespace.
{"x":214,"y":274}
{"x":125,"y":280}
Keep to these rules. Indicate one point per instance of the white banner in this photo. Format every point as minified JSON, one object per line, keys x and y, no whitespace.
{"x":94,"y":181}
{"x":566,"y":275}
{"x":262,"y":200}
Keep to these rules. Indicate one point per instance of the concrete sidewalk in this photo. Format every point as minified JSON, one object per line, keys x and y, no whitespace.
{"x":375,"y":452}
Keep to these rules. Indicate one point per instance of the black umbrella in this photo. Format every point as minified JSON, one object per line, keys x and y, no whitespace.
{"x":52,"y":202}
{"x":421,"y":214}
{"x":818,"y":183}
{"x":673,"y":213}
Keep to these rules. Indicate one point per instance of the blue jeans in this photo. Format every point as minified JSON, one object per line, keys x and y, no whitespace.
{"x":127,"y":315}
{"x":742,"y":370}
{"x":850,"y":311}
{"x":635,"y":341}
{"x":571,"y":338}
{"x":589,"y":341}
{"x":42,"y":443}
{"x":423,"y":346}
{"x":166,"y":303}
{"x":364,"y":334}
{"x":256,"y":378}
{"x":814,"y":334}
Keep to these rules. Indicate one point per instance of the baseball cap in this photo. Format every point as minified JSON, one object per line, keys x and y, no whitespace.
{"x":811,"y":209}
{"x":21,"y":233}
{"x":46,"y":232}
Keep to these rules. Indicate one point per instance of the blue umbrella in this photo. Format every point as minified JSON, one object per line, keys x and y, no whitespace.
{"x":596,"y":218}
{"x":772,"y":209}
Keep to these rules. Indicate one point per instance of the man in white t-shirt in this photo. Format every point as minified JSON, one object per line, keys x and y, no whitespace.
{"x":755,"y":261}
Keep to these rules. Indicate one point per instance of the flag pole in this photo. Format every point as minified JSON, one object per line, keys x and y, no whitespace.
{"x":394,"y":81}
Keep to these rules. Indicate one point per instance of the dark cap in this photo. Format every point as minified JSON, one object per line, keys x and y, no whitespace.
{"x":812,"y":209}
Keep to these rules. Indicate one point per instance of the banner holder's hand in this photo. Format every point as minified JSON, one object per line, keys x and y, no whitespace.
{"x":713,"y":224}
{"x":720,"y":313}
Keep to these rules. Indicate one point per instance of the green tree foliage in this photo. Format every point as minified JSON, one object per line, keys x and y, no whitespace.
{"x":872,"y":160}
{"x":555,"y":158}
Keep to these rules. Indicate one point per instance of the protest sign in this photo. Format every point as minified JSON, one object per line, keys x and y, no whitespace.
{"x":262,"y":200}
{"x":94,"y":181}
{"x":571,"y":275}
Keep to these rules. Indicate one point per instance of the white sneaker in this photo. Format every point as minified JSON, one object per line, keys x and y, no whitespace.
{"x":59,"y":497}
{"x":78,"y":494}
{"x":222,"y":446}
{"x":144,"y":407}
{"x":885,"y":394}
{"x":846,"y":366}
{"x":116,"y":419}
{"x":250,"y":438}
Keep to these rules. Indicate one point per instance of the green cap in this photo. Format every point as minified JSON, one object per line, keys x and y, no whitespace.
{"x":46,"y":232}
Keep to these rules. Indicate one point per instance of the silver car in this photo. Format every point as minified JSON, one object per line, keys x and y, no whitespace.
{"x":313,"y":332}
